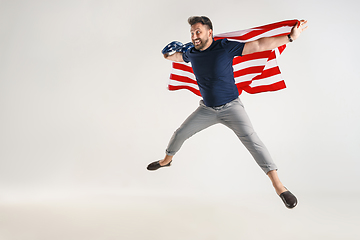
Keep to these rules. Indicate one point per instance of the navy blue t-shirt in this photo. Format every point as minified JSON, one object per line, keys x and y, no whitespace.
{"x":214,"y":72}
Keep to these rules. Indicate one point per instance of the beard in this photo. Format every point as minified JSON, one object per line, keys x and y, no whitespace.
{"x":202,"y":44}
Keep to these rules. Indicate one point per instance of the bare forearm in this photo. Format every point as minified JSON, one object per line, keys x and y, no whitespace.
{"x":264,"y":44}
{"x":176,"y":57}
{"x":270,"y":43}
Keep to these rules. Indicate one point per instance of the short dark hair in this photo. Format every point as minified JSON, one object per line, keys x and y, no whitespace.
{"x":200,"y":19}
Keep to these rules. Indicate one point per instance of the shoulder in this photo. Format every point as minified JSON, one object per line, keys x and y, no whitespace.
{"x":230,"y":42}
{"x":185,"y":56}
{"x":220,"y":42}
{"x":233,"y":47}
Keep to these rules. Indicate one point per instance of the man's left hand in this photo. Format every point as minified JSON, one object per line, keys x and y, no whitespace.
{"x":297,"y":29}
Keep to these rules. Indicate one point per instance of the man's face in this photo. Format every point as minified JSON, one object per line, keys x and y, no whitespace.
{"x":201,"y":36}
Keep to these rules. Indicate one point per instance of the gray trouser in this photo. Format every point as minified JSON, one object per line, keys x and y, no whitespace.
{"x":232,"y":115}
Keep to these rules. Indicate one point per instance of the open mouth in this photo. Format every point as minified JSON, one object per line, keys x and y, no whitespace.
{"x":197,"y":42}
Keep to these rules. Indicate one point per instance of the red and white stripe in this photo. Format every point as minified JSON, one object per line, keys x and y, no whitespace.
{"x":253,"y":73}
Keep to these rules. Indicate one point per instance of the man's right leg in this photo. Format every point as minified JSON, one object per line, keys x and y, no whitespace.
{"x":202,"y":118}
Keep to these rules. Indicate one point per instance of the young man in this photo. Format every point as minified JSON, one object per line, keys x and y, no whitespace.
{"x":212,"y":65}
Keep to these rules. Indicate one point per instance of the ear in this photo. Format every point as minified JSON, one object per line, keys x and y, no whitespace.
{"x":210,"y":32}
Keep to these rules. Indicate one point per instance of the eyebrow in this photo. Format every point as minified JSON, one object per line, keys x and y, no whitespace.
{"x":195,"y":30}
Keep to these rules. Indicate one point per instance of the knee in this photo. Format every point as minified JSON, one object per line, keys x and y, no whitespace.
{"x":179,"y":134}
{"x":248,"y":137}
{"x":251,"y":139}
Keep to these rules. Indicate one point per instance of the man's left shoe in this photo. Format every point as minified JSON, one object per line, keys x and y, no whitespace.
{"x":289,"y":199}
{"x":156,"y":165}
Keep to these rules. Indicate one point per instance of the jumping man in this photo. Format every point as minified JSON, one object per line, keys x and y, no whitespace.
{"x":211,"y":62}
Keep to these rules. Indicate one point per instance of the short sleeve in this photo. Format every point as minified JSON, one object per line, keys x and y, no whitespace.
{"x":186,"y":57}
{"x":233,"y":47}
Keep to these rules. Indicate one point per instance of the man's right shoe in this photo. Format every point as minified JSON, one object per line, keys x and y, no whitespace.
{"x":156,"y":165}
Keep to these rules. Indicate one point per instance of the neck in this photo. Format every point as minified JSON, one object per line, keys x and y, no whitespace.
{"x":207,"y":45}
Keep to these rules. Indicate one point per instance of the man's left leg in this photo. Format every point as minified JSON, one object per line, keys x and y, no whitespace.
{"x":235,"y":117}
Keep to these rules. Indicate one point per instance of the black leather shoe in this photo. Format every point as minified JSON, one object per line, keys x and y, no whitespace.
{"x":156,"y":165}
{"x":289,"y":199}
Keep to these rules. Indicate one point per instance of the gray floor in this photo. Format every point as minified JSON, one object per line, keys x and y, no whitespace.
{"x":101,"y":217}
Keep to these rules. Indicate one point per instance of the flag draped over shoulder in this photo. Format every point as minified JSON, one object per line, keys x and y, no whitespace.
{"x":253,"y":73}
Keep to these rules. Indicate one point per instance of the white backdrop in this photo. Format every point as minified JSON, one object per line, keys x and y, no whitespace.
{"x":84,"y":105}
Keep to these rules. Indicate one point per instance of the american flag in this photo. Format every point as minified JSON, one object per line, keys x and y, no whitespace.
{"x":253,"y":73}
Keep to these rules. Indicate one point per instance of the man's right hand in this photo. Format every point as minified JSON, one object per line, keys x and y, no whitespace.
{"x":174,"y":50}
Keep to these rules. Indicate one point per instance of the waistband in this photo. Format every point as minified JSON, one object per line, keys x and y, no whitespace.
{"x":221,"y":106}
